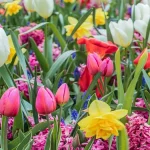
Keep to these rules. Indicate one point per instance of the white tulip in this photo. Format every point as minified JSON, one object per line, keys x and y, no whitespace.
{"x":122,"y":32}
{"x":146,"y":2}
{"x":44,"y":7}
{"x":29,"y":5}
{"x":4,"y":47}
{"x":141,"y":26}
{"x":141,"y":10}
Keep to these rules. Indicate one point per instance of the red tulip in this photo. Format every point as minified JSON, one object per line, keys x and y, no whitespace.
{"x":45,"y":101}
{"x":93,"y":63}
{"x":107,"y":67}
{"x":99,"y":47}
{"x":147,"y":65}
{"x":85,"y":80}
{"x":10,"y":102}
{"x":62,"y":95}
{"x":100,"y":88}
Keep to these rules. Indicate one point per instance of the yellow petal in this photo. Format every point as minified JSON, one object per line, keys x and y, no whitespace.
{"x":72,"y":20}
{"x":119,"y":113}
{"x":84,"y":122}
{"x":98,"y":108}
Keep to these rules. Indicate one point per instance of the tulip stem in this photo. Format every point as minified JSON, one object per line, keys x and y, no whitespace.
{"x":4,"y":133}
{"x":60,"y":114}
{"x":46,"y":41}
{"x":48,"y":122}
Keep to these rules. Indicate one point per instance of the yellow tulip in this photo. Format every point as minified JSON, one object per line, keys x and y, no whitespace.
{"x":102,"y":122}
{"x":83,"y":30}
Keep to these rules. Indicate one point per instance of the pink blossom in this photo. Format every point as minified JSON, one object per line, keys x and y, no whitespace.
{"x":37,"y":35}
{"x":138,"y":132}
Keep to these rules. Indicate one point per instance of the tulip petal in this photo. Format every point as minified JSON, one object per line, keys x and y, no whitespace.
{"x":141,"y":27}
{"x":98,"y":108}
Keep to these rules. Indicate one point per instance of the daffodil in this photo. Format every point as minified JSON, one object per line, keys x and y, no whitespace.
{"x":69,"y":1}
{"x":102,"y":122}
{"x":82,"y":31}
{"x":12,"y":8}
{"x":12,"y":52}
{"x":99,"y":17}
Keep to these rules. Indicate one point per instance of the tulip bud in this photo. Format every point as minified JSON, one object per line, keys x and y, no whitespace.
{"x":4,"y":47}
{"x":43,"y":7}
{"x":107,"y":67}
{"x":122,"y":32}
{"x":62,"y":95}
{"x":45,"y":101}
{"x":93,"y":63}
{"x":29,"y":5}
{"x":10,"y":102}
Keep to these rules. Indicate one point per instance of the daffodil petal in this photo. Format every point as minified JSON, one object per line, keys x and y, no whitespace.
{"x":98,"y":108}
{"x":72,"y":20}
{"x":119,"y":113}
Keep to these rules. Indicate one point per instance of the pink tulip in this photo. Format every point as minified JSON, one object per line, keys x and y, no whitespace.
{"x":10,"y":102}
{"x":62,"y":95}
{"x":45,"y":101}
{"x":93,"y":63}
{"x":107,"y":67}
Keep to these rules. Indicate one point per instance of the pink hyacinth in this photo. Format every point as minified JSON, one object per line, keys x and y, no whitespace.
{"x":140,"y":103}
{"x":37,"y":35}
{"x":33,"y":62}
{"x":10,"y":125}
{"x":138,"y":132}
{"x":23,"y":86}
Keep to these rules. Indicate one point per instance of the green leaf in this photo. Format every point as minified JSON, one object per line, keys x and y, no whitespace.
{"x":81,"y":21}
{"x":21,"y":135}
{"x":130,"y":91}
{"x":6,"y":77}
{"x":147,"y":94}
{"x":58,"y":63}
{"x":29,"y":145}
{"x":110,"y":140}
{"x":18,"y":122}
{"x":37,"y":128}
{"x":24,"y":142}
{"x":147,"y":78}
{"x":48,"y":141}
{"x":89,"y":146}
{"x":122,"y":9}
{"x":93,"y":97}
{"x":147,"y":34}
{"x":19,"y":54}
{"x":119,"y":77}
{"x":54,"y":136}
{"x":122,"y":140}
{"x":40,"y":57}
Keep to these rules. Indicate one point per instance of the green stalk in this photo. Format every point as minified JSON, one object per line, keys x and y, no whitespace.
{"x":4,"y":133}
{"x":47,"y":118}
{"x":122,"y":9}
{"x":46,"y":41}
{"x":59,"y":119}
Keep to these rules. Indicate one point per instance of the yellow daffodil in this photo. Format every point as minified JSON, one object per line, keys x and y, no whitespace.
{"x":102,"y":122}
{"x":83,"y":30}
{"x":69,"y":1}
{"x":12,"y":52}
{"x":99,"y":17}
{"x":12,"y":8}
